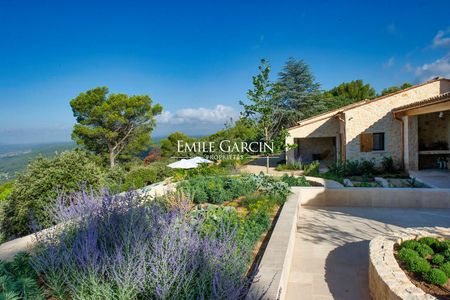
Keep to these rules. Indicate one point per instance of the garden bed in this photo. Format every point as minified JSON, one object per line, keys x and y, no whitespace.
{"x":426,"y":262}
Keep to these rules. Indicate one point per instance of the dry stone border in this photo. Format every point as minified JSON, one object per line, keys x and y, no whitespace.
{"x":387,"y":281}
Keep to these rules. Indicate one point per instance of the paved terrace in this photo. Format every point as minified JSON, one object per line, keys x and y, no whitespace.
{"x":434,"y":178}
{"x":330,"y":259}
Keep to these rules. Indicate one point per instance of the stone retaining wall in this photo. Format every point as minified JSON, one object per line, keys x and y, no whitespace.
{"x":387,"y":281}
{"x":375,"y":197}
{"x":274,"y":268}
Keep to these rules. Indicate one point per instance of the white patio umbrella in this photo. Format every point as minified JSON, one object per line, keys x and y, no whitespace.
{"x":200,"y":160}
{"x":183,"y":164}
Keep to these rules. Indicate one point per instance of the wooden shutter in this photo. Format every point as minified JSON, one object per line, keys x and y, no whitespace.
{"x":366,"y":142}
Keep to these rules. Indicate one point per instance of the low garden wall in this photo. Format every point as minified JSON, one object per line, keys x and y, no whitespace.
{"x":375,"y":197}
{"x":273,"y":271}
{"x":387,"y":281}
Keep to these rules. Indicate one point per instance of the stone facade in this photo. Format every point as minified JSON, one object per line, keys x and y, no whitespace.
{"x":376,"y":117}
{"x":327,"y":127}
{"x":325,"y":147}
{"x":373,"y":116}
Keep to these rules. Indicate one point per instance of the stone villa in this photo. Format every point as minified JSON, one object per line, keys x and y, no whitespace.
{"x":412,"y":126}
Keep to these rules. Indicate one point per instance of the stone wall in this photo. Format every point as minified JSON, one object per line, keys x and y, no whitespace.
{"x":327,"y":127}
{"x":387,"y":281}
{"x":377,"y":117}
{"x":433,"y":129}
{"x":326,"y":147}
{"x":375,"y":197}
{"x":273,"y":270}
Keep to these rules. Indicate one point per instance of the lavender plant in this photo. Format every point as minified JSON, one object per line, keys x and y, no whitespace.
{"x":119,"y":247}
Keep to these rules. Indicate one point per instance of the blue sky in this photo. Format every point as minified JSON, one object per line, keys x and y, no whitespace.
{"x":196,"y":58}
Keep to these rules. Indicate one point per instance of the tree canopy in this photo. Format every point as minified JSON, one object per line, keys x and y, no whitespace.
{"x":393,"y":89}
{"x":353,"y":91}
{"x":262,"y":107}
{"x":297,"y":93}
{"x":169,"y":145}
{"x":113,"y":124}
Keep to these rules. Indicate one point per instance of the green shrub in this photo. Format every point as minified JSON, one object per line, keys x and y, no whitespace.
{"x":445,"y":267}
{"x":238,"y":186}
{"x":352,"y":167}
{"x":406,"y":254}
{"x":207,"y":189}
{"x":435,"y":276}
{"x":410,"y":244}
{"x":250,"y":229}
{"x":219,"y":189}
{"x":438,"y":259}
{"x":446,"y":253}
{"x":311,"y":168}
{"x":115,"y":178}
{"x":139,"y":177}
{"x":367,"y":167}
{"x":270,"y":185}
{"x":5,"y":190}
{"x":424,"y":250}
{"x":18,"y":279}
{"x":255,"y":224}
{"x":442,"y":246}
{"x":337,"y":168}
{"x":38,"y":186}
{"x":202,"y":170}
{"x":417,"y":264}
{"x":142,"y":176}
{"x":295,"y":165}
{"x":429,"y":241}
{"x":388,"y":164}
{"x":295,"y":180}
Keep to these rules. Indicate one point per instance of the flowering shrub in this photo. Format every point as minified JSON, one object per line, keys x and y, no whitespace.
{"x":119,"y":247}
{"x":152,"y":156}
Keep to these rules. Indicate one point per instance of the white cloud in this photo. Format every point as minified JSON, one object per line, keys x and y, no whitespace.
{"x":440,"y":67}
{"x":442,"y":39}
{"x":389,"y":63}
{"x":194,"y":121}
{"x":408,"y":67}
{"x":217,"y":115}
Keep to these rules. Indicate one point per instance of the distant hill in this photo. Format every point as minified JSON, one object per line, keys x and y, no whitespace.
{"x":15,"y":158}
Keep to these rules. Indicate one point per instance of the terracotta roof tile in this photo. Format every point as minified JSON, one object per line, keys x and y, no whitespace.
{"x":334,"y":112}
{"x":432,"y":100}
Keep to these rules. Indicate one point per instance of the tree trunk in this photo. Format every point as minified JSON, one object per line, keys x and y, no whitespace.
{"x":266,"y":133}
{"x":112,"y":159}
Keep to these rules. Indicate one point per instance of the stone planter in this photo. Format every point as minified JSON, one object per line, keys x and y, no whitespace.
{"x":387,"y":281}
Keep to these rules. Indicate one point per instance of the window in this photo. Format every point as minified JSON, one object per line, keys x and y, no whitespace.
{"x":372,"y":142}
{"x":378,"y":141}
